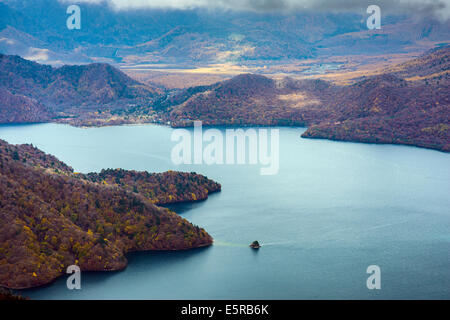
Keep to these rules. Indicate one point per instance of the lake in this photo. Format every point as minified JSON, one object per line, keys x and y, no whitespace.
{"x":333,"y":209}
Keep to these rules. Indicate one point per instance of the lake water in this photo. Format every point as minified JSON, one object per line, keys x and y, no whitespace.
{"x":333,"y":209}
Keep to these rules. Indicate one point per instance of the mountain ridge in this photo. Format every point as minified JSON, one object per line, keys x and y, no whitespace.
{"x":202,"y":36}
{"x":393,"y":107}
{"x":68,"y":90}
{"x":408,"y":102}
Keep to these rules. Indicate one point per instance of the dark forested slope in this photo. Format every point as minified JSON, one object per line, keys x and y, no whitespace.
{"x":161,"y":188}
{"x":50,"y":219}
{"x":408,"y":104}
{"x":31,"y":92}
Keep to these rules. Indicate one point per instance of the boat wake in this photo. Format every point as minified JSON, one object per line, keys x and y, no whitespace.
{"x":263,"y":244}
{"x":277,"y":243}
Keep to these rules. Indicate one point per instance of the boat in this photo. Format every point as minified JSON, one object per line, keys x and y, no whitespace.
{"x":255,"y":245}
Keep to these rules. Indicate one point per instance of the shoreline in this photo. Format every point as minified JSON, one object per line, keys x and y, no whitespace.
{"x":106,"y":271}
{"x":224,"y":126}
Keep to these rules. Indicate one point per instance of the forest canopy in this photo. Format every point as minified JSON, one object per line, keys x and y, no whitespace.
{"x":51,"y":217}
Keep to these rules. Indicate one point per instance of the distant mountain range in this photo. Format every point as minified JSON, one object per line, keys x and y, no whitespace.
{"x":37,"y":30}
{"x":404,"y":104}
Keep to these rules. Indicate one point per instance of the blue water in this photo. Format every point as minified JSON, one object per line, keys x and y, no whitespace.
{"x":333,"y":209}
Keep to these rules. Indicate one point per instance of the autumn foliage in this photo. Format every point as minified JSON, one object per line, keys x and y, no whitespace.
{"x":407,"y":104}
{"x":161,"y":188}
{"x":51,"y":218}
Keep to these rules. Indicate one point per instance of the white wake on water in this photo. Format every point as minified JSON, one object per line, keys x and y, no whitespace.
{"x":263,"y":244}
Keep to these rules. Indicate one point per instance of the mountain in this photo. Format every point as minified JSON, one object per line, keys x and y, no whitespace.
{"x":244,"y":99}
{"x":44,"y":91}
{"x":203,"y":36}
{"x":386,"y":108}
{"x":51,"y":218}
{"x":25,"y":45}
{"x":16,"y":108}
{"x":433,"y":66}
{"x":405,"y":104}
{"x":395,"y":36}
{"x":93,"y":84}
{"x":250,"y":99}
{"x":412,"y":110}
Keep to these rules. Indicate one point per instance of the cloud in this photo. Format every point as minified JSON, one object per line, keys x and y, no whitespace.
{"x":37,"y":54}
{"x":439,"y":8}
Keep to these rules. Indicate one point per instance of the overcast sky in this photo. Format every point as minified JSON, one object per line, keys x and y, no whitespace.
{"x":439,"y":8}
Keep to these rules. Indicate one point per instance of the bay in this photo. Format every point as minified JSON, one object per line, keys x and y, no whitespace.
{"x":333,"y":209}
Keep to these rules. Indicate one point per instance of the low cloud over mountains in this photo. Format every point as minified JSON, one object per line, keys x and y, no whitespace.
{"x":425,"y":8}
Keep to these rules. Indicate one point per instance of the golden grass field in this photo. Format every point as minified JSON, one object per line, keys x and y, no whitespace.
{"x":352,"y":68}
